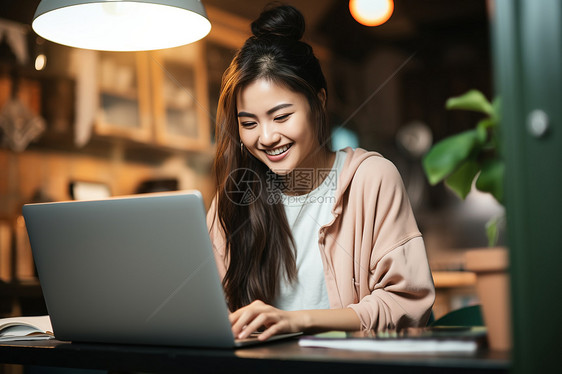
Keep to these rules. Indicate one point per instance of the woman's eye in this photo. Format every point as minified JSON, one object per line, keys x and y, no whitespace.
{"x":247,"y":124}
{"x":282,"y":117}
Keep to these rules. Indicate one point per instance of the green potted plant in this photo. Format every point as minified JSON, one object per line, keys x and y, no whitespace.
{"x":470,"y":158}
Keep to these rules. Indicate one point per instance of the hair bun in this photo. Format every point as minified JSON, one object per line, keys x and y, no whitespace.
{"x":284,"y":21}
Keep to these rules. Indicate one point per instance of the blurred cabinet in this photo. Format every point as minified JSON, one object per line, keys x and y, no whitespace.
{"x":124,"y":96}
{"x":180,"y":104}
{"x":157,"y":98}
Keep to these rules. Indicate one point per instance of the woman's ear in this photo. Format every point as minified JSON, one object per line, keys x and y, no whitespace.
{"x":322,"y":96}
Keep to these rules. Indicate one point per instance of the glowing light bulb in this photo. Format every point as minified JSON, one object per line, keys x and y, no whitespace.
{"x":40,"y":62}
{"x":371,"y":12}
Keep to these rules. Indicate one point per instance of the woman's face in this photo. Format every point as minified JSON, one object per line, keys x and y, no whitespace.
{"x":275,"y":126}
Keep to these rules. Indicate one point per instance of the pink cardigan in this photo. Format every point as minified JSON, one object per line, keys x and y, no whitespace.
{"x":372,"y":251}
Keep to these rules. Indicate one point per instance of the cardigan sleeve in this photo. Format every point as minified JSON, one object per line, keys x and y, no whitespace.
{"x":393,"y":283}
{"x":402,"y":290}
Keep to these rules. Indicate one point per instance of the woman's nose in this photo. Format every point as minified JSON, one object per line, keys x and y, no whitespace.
{"x":269,"y":135}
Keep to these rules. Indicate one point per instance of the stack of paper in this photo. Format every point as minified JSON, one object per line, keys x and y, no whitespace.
{"x":455,"y":340}
{"x":25,"y":328}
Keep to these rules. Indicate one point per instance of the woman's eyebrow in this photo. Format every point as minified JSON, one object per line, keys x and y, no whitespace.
{"x":278,"y":107}
{"x":246,"y":114}
{"x":269,"y":112}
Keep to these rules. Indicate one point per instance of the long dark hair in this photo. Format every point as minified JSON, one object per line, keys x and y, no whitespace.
{"x":260,"y":246}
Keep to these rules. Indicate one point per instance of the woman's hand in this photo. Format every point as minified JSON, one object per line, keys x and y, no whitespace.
{"x":258,"y":314}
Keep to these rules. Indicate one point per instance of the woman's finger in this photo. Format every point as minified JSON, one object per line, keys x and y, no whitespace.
{"x":274,"y":329}
{"x":245,"y":315}
{"x":254,"y":325}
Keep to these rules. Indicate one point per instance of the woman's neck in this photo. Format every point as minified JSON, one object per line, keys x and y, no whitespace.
{"x":306,"y":179}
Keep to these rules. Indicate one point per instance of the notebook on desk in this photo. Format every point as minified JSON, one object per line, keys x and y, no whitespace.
{"x":133,"y":270}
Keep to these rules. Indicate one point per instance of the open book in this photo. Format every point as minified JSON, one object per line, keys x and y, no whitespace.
{"x":421,"y":340}
{"x":25,"y":328}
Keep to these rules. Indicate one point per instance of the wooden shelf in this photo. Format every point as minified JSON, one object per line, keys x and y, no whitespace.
{"x":453,"y":279}
{"x":453,"y":289}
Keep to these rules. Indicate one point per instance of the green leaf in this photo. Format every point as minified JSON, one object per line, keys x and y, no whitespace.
{"x":492,"y":232}
{"x":493,"y":227}
{"x":472,"y":100}
{"x":491,"y":178}
{"x":482,"y":129}
{"x":447,"y":155}
{"x":460,"y":181}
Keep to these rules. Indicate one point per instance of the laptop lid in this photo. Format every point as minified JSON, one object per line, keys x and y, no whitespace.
{"x":134,"y":270}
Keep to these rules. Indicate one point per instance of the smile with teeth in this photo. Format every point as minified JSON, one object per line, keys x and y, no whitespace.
{"x":278,"y":151}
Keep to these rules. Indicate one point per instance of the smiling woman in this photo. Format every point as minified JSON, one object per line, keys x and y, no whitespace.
{"x":306,"y":239}
{"x":275,"y":127}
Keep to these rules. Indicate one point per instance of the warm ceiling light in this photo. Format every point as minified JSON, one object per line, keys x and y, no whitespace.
{"x":121,"y":25}
{"x":371,"y":12}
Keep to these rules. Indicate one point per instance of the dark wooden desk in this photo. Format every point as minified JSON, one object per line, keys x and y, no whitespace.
{"x":280,"y":357}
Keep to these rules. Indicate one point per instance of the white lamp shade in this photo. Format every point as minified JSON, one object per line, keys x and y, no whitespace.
{"x":121,"y":25}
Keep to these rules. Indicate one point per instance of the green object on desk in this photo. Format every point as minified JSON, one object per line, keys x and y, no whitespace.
{"x":332,"y":334}
{"x":466,"y":316}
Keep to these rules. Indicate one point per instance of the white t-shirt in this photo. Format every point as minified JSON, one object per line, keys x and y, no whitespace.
{"x":306,"y":214}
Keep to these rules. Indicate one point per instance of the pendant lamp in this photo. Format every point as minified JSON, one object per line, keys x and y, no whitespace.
{"x":121,"y":25}
{"x":371,"y":12}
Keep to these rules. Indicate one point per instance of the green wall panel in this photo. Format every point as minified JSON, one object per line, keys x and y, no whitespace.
{"x":527,"y":46}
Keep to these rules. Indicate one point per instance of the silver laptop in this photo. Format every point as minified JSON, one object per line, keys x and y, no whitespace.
{"x":133,"y":270}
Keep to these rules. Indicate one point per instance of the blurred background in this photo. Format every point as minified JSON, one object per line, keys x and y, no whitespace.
{"x":81,"y":124}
